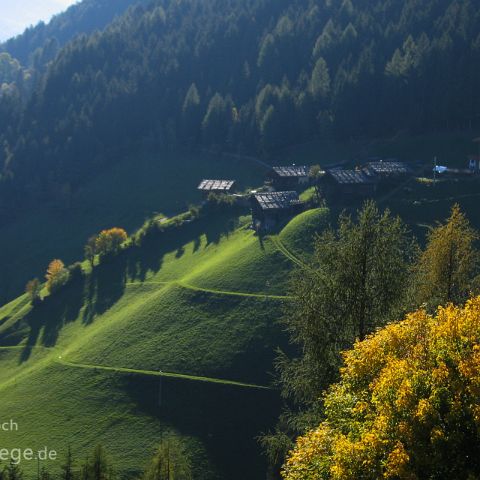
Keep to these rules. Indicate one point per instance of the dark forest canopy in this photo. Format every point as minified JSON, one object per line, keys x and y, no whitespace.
{"x":40,"y":43}
{"x":240,"y":75}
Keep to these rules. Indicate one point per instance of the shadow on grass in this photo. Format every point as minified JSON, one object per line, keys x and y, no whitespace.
{"x":225,"y":419}
{"x":149,"y":257}
{"x":96,"y":293}
{"x":47,"y":319}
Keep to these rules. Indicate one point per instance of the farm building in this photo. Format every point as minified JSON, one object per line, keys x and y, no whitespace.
{"x":348,"y":183}
{"x":270,"y":208}
{"x":216,"y":186}
{"x":289,"y":177}
{"x":387,"y":170}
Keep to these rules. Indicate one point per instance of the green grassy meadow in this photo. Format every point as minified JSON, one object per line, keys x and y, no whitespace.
{"x":197,"y":310}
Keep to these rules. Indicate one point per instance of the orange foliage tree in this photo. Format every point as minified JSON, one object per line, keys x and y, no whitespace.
{"x":110,"y":241}
{"x":57,"y":275}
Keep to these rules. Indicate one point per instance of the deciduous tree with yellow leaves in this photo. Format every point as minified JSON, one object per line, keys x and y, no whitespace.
{"x":449,"y":264}
{"x":57,"y":275}
{"x":407,"y":405}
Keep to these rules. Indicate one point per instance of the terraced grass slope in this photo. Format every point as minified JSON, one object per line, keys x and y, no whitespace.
{"x":196,"y":310}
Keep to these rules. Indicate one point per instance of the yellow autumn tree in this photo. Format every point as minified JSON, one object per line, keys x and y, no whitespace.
{"x":448,"y":266}
{"x":57,"y":275}
{"x":110,"y":241}
{"x":407,"y":405}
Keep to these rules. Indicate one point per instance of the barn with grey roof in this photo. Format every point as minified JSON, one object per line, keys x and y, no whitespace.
{"x":270,"y":208}
{"x":347,"y":183}
{"x":216,"y":186}
{"x":387,"y":169}
{"x":288,"y":177}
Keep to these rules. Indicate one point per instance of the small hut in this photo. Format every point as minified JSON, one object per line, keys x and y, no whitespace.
{"x":216,"y":186}
{"x":387,"y":170}
{"x":268,"y":209}
{"x":348,"y":183}
{"x":288,"y":177}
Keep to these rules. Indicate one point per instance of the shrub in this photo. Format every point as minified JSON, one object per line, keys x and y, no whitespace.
{"x":76,"y":271}
{"x":218,"y":203}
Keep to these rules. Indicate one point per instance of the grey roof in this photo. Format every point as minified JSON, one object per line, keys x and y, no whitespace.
{"x":388,"y":167}
{"x":277,"y":200}
{"x":291,"y":171}
{"x":216,"y":185}
{"x":349,"y":177}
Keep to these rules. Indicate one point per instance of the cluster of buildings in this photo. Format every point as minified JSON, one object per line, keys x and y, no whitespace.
{"x":364,"y":181}
{"x":279,"y":198}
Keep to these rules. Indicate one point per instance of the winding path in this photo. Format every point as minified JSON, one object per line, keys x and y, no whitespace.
{"x":284,"y":250}
{"x":58,"y":358}
{"x":182,"y":284}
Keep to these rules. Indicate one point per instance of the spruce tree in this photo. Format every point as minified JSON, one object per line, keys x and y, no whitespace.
{"x":68,"y":466}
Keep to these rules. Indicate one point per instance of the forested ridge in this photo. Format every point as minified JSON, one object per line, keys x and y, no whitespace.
{"x":248,"y":76}
{"x":83,"y":17}
{"x":24,"y":58}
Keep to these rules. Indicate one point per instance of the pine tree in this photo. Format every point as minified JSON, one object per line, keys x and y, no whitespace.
{"x":171,"y":462}
{"x":320,"y":81}
{"x":13,"y":471}
{"x":191,"y":114}
{"x":45,"y":474}
{"x":68,"y":466}
{"x":99,"y":467}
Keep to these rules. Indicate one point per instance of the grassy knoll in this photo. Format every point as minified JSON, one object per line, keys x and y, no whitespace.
{"x":125,"y":195}
{"x":152,"y":308}
{"x":297,"y":236}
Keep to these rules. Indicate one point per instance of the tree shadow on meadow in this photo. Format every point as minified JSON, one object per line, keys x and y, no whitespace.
{"x":93,"y":295}
{"x":84,"y":298}
{"x":104,"y":287}
{"x":149,"y":257}
{"x":46,"y":319}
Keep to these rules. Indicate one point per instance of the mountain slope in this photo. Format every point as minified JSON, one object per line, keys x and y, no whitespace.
{"x":91,"y":354}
